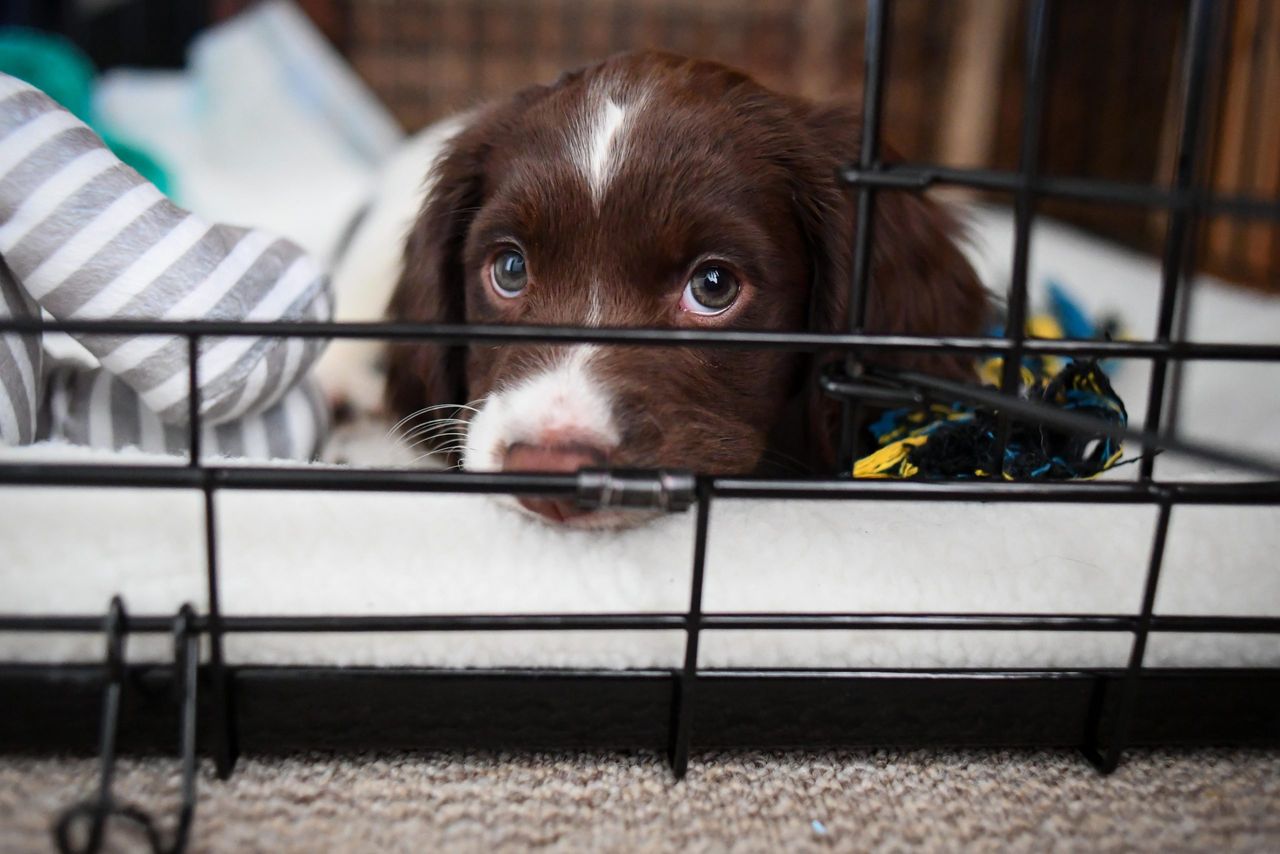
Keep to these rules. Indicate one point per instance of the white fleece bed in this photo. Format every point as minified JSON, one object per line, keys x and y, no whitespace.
{"x":68,"y":550}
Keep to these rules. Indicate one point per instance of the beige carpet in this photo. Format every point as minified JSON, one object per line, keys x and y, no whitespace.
{"x":1208,"y":800}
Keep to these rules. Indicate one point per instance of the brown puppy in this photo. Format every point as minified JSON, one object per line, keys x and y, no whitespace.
{"x":652,"y":190}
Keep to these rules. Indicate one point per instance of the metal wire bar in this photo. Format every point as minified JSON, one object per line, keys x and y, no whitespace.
{"x":658,"y":621}
{"x":1178,"y":367}
{"x":193,"y":401}
{"x":1108,"y":758}
{"x":727,"y":339}
{"x":423,"y":480}
{"x":635,"y":337}
{"x":1109,"y":492}
{"x":186,"y":641}
{"x":1179,"y":237}
{"x":460,"y":623}
{"x":922,"y":176}
{"x":652,"y":674}
{"x":1024,"y":211}
{"x":100,"y":808}
{"x":992,"y":622}
{"x":864,"y":227}
{"x":1186,"y":300}
{"x":224,"y":717}
{"x":186,"y":644}
{"x":224,"y":733}
{"x":683,"y":696}
{"x":254,"y":477}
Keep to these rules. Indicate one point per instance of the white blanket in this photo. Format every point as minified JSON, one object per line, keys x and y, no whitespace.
{"x":69,"y":550}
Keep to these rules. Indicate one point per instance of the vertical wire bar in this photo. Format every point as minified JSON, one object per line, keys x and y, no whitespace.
{"x":1107,"y":761}
{"x":1024,"y":213}
{"x":868,"y":157}
{"x":1178,"y":237}
{"x":186,"y":665}
{"x":114,"y":626}
{"x":107,"y":759}
{"x":1177,"y":371}
{"x":683,"y":711}
{"x":1187,"y":295}
{"x":224,"y":746}
{"x":193,"y":401}
{"x":115,"y":629}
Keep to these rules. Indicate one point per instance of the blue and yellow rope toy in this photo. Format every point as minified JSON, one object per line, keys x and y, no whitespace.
{"x":958,"y":441}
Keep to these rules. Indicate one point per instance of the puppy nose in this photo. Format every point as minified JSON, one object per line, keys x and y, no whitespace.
{"x":558,"y":457}
{"x":562,"y":457}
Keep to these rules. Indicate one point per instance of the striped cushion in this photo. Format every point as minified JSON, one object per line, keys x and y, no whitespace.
{"x":83,"y":236}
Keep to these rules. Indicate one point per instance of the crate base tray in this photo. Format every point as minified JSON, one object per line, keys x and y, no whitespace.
{"x":296,"y":709}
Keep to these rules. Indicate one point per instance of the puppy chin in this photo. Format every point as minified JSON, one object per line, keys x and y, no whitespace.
{"x":598,"y":520}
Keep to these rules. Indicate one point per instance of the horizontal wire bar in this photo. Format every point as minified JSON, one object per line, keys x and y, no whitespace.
{"x":984,"y":673}
{"x":926,"y":622}
{"x":928,"y":673}
{"x":456,"y":623}
{"x":515,"y":483}
{"x":328,"y":623}
{"x":287,"y":478}
{"x":994,"y":622}
{"x":426,"y":480}
{"x":1065,"y":492}
{"x":909,"y":176}
{"x":310,"y":624}
{"x":91,"y":673}
{"x":458,"y":333}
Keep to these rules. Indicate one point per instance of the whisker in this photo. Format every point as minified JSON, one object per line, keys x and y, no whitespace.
{"x":435,"y":440}
{"x":434,"y":424}
{"x":428,"y":426}
{"x":457,"y":437}
{"x":426,"y":409}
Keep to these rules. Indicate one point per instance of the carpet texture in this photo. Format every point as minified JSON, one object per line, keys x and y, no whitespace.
{"x":1202,"y":800}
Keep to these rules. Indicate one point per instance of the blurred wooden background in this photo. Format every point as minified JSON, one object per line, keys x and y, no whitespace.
{"x":954,"y":92}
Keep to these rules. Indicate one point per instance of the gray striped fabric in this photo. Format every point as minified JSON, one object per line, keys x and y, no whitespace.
{"x":21,"y":358}
{"x":94,"y":407}
{"x":83,"y":236}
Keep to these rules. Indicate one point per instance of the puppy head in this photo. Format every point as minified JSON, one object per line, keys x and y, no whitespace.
{"x":653,"y":191}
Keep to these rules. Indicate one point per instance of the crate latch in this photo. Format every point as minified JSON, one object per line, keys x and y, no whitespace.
{"x":626,"y":489}
{"x":81,"y":828}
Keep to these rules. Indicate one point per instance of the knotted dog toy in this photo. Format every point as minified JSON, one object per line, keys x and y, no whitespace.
{"x":959,"y":440}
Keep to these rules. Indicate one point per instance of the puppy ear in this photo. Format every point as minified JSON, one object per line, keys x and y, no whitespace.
{"x":432,"y":286}
{"x":921,"y":283}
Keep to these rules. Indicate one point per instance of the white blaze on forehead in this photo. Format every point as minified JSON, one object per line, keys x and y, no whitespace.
{"x":564,"y":403}
{"x":603,"y":132}
{"x":597,"y":146}
{"x":599,"y":142}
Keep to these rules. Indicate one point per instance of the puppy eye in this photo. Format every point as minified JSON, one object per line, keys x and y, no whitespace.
{"x":711,"y":290}
{"x":509,"y":274}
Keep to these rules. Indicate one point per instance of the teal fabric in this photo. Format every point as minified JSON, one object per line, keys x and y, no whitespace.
{"x":62,"y":71}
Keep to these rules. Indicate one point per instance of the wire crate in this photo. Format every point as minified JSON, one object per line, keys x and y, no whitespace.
{"x":209,"y":706}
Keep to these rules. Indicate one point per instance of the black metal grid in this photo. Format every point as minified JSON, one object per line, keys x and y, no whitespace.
{"x":1102,"y":702}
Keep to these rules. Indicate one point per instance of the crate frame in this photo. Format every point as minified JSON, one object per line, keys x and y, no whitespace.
{"x":219,"y":708}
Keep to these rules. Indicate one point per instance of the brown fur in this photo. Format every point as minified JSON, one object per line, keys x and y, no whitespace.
{"x":717,"y":164}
